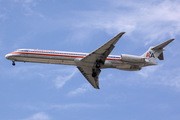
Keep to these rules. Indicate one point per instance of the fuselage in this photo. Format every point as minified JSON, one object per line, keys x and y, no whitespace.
{"x":58,"y":57}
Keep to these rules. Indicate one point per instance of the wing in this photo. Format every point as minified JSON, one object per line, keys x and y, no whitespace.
{"x":102,"y":52}
{"x":97,"y":57}
{"x":87,"y":72}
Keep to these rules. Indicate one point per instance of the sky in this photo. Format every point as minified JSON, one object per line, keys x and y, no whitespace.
{"x":33,"y":91}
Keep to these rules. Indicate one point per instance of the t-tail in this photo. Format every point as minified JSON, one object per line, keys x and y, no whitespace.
{"x":155,"y":52}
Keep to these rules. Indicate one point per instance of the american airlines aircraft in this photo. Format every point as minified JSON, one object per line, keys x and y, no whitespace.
{"x":90,"y":64}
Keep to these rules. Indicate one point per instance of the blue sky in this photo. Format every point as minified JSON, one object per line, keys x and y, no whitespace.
{"x":32,"y":91}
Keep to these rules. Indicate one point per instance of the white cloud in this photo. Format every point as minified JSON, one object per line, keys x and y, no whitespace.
{"x":28,"y":1}
{"x":116,"y":97}
{"x":157,"y":76}
{"x":58,"y":76}
{"x":145,"y":72}
{"x":61,"y":80}
{"x":85,"y":87}
{"x":152,"y":21}
{"x":108,"y":77}
{"x":38,"y":116}
{"x":28,"y":6}
{"x":174,"y":49}
{"x":142,"y":21}
{"x":169,"y":78}
{"x":79,"y":105}
{"x":62,"y":106}
{"x":17,"y":70}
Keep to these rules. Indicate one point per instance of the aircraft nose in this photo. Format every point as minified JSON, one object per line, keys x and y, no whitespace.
{"x":7,"y":56}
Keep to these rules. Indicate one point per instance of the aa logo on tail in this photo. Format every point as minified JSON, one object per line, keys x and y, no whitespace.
{"x":149,"y":54}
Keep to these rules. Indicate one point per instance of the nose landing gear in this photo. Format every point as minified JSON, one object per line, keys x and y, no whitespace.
{"x":13,"y":63}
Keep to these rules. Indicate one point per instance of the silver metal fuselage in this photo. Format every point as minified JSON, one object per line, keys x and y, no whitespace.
{"x":70,"y":58}
{"x":59,"y":57}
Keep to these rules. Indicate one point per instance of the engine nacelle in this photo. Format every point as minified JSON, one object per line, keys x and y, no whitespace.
{"x":132,"y":58}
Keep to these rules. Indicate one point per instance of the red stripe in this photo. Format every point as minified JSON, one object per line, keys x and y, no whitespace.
{"x":114,"y":59}
{"x":58,"y":55}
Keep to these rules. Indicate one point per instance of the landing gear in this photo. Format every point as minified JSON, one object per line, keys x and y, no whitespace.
{"x":13,"y":63}
{"x":98,"y":63}
{"x":94,"y":74}
{"x":96,"y":70}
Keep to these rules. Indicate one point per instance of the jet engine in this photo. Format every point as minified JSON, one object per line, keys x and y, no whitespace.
{"x":132,"y":58}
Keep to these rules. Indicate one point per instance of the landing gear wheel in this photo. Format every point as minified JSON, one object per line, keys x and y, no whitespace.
{"x":13,"y":63}
{"x":98,"y":65}
{"x":94,"y":74}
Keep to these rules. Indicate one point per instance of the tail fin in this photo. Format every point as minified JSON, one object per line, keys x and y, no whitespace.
{"x":156,"y":52}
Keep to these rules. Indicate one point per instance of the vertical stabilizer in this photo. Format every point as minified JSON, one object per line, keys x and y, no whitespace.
{"x":156,"y":52}
{"x":152,"y":54}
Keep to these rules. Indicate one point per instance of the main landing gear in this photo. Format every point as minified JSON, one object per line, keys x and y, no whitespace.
{"x":94,"y":74}
{"x":96,"y":70}
{"x":98,"y":63}
{"x":13,"y":63}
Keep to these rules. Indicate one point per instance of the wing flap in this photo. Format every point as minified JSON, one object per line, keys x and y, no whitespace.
{"x":87,"y":73}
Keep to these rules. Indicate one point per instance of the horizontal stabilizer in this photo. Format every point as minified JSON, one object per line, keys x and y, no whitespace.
{"x":162,"y":45}
{"x":161,"y":56}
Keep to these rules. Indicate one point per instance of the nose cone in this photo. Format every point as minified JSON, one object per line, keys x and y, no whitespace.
{"x":7,"y":56}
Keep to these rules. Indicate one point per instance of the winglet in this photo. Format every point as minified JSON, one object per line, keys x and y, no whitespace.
{"x":162,"y":45}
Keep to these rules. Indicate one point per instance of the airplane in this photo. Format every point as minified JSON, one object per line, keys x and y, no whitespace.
{"x":90,"y":64}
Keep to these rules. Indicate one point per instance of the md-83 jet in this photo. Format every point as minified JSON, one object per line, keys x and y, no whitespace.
{"x":90,"y":64}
